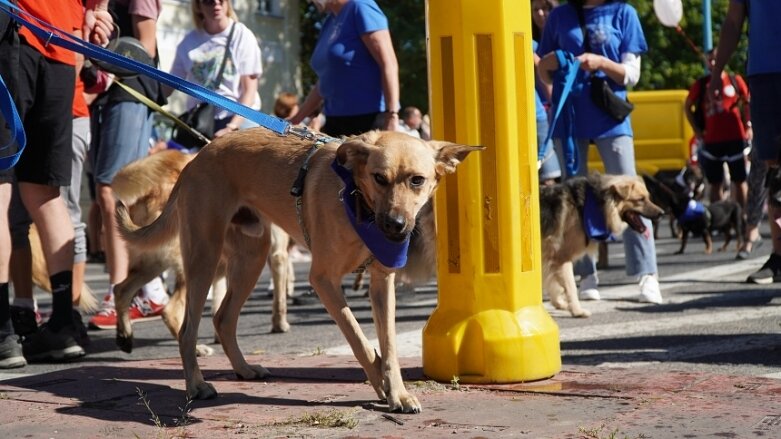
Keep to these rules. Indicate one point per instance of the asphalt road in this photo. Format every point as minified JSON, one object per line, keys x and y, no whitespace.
{"x":711,"y":320}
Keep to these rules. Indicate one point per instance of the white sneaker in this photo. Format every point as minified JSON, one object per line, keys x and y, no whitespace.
{"x":588,"y":288}
{"x":155,"y":290}
{"x":649,"y":290}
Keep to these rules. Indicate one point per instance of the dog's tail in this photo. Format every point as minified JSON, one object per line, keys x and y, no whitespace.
{"x":160,"y":231}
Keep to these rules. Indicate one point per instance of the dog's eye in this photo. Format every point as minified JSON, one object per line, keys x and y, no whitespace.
{"x":380,"y":179}
{"x":417,"y":181}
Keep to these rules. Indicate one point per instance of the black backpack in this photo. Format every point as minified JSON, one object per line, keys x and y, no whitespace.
{"x":699,"y":107}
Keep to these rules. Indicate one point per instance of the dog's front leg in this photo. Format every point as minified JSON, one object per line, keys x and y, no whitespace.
{"x":706,"y":236}
{"x":566,"y":278}
{"x":383,"y":299}
{"x":330,"y":293}
{"x":684,"y":238}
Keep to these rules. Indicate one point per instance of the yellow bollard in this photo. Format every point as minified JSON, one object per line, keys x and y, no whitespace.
{"x":490,"y":325}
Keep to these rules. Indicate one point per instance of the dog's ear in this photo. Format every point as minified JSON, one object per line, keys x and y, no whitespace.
{"x":449,"y":155}
{"x":353,"y":152}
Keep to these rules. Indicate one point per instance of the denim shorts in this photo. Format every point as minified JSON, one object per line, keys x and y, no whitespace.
{"x":765,"y":114}
{"x":121,"y":132}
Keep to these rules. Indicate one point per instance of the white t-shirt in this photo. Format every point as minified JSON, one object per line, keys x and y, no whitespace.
{"x":199,"y":56}
{"x":403,"y":128}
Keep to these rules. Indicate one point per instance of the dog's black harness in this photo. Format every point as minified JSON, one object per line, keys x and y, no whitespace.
{"x":297,"y":190}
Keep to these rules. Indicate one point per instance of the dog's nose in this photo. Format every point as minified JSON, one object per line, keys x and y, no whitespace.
{"x":394,"y":224}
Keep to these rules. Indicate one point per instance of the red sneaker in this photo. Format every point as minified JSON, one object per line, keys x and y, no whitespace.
{"x":140,"y":310}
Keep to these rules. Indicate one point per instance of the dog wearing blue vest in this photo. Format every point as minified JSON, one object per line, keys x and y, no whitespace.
{"x":227,"y":197}
{"x":578,"y":214}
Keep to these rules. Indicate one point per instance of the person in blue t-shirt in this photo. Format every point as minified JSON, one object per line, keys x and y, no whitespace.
{"x":612,"y":51}
{"x":764,"y":83}
{"x":357,"y":70}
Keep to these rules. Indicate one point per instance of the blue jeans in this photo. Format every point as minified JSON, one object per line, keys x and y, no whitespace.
{"x":618,"y":156}
{"x":550,"y":168}
{"x":120,"y":135}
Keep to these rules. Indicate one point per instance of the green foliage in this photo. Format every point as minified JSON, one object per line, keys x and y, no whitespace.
{"x":669,"y":64}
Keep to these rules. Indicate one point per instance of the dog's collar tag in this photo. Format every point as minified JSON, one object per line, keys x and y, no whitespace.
{"x":390,"y":254}
{"x":594,"y":223}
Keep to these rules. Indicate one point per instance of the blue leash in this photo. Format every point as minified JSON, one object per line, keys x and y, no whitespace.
{"x":15,"y":125}
{"x":53,"y":35}
{"x":569,"y":82}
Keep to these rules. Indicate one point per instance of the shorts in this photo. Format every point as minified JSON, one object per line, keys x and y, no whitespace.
{"x":716,"y":154}
{"x":121,"y":132}
{"x":765,"y":114}
{"x":44,"y":99}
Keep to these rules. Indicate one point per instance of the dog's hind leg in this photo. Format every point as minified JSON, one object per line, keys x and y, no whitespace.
{"x":383,"y":300}
{"x":566,"y":278}
{"x":684,"y":238}
{"x":246,"y":257}
{"x":201,"y":253}
{"x":141,"y":271}
{"x":279,"y":262}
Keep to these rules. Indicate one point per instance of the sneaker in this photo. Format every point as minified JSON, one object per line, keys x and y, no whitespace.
{"x":140,"y":310}
{"x":106,"y":318}
{"x":11,"y":355}
{"x":769,"y":273}
{"x":649,"y":290}
{"x":24,"y":319}
{"x":49,"y":345}
{"x":82,"y":338}
{"x":588,"y":288}
{"x":308,"y":298}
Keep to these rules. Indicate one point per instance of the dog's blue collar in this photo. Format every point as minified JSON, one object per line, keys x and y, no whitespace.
{"x":594,"y":223}
{"x":390,"y":254}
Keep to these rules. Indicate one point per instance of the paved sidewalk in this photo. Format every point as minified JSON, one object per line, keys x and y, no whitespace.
{"x":327,"y":396}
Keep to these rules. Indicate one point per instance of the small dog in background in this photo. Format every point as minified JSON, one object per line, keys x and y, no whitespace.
{"x":620,"y":199}
{"x":689,"y":182}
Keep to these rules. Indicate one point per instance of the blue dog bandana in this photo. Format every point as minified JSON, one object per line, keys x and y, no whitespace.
{"x":594,"y":219}
{"x":390,"y":254}
{"x":694,"y":211}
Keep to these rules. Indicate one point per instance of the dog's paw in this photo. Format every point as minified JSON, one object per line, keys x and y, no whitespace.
{"x":202,"y":350}
{"x":581,"y":313}
{"x":203,"y":390}
{"x":278,"y":328}
{"x":125,"y":343}
{"x":252,"y":372}
{"x":405,"y":403}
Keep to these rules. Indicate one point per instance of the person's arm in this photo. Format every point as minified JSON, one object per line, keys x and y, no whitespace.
{"x":547,"y":65}
{"x":310,"y":105}
{"x":687,"y":110}
{"x":591,"y":62}
{"x":381,"y":48}
{"x":729,"y":37}
{"x":745,"y":96}
{"x":538,"y":82}
{"x":145,"y":29}
{"x":248,"y":84}
{"x":98,"y":23}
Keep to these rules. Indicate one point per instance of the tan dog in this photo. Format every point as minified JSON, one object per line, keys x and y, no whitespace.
{"x":144,"y":186}
{"x":622,"y":201}
{"x":226,"y":198}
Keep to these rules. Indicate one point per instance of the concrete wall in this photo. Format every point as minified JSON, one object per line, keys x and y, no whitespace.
{"x":278,"y":36}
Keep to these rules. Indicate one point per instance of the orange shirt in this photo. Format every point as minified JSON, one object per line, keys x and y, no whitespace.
{"x":59,"y":13}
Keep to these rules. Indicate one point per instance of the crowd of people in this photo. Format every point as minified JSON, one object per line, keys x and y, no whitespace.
{"x":95,"y":127}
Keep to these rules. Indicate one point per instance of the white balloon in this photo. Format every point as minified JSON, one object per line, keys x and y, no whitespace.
{"x":669,"y":12}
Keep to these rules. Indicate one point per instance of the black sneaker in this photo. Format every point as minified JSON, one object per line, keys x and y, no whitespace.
{"x":308,"y":298}
{"x":769,"y":273}
{"x":48,"y":345}
{"x":24,"y":320}
{"x":11,"y":353}
{"x":82,"y":338}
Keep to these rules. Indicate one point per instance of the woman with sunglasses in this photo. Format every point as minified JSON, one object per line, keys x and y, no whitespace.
{"x":200,"y":55}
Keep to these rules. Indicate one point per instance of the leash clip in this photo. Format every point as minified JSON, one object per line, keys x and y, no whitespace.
{"x":301,"y":132}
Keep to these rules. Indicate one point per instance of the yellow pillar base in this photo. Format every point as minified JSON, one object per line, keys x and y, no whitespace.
{"x":492,"y":346}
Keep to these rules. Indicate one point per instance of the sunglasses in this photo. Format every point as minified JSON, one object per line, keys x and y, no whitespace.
{"x":210,"y":2}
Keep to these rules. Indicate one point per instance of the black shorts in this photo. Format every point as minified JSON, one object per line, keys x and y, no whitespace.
{"x":43,"y":92}
{"x":716,"y":154}
{"x":337,"y":126}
